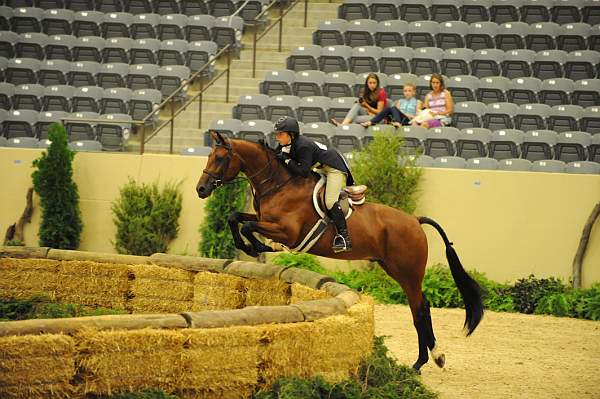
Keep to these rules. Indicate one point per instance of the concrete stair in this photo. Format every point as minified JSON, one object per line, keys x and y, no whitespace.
{"x":187,"y":132}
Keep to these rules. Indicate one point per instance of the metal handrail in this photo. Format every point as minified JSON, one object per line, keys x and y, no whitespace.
{"x":278,"y":21}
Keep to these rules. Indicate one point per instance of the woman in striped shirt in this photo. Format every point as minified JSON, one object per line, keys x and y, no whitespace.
{"x":439,"y":102}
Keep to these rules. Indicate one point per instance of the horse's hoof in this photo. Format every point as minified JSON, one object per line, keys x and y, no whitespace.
{"x":440,"y":360}
{"x":417,"y":366}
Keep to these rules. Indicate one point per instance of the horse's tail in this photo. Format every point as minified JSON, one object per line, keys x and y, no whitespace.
{"x":469,"y":288}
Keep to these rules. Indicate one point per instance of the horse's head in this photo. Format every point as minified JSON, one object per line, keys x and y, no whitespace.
{"x":223,"y":165}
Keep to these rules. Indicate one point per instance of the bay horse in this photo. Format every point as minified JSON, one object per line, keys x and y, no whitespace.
{"x":285,"y":214}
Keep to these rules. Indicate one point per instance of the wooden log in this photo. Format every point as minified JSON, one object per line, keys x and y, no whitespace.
{"x":583,"y":243}
{"x":349,"y":297}
{"x":108,"y":322}
{"x":334,"y":289}
{"x":251,"y":316}
{"x":314,"y":310}
{"x":63,"y":254}
{"x":190,"y":263}
{"x":16,"y":230}
{"x":305,"y":277}
{"x":255,"y":270}
{"x":24,"y":252}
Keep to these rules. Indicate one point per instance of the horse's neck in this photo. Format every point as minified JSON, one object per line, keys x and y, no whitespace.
{"x":262,"y":173}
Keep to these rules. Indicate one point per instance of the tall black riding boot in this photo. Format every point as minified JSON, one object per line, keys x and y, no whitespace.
{"x":341,"y":242}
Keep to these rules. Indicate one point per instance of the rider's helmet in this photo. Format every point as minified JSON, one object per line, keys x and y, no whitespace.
{"x":287,"y":124}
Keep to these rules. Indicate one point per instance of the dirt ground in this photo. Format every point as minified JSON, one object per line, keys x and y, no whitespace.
{"x":508,"y":356}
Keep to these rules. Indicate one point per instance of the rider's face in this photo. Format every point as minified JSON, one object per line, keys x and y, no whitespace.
{"x":283,"y":138}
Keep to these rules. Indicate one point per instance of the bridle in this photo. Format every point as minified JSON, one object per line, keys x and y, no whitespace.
{"x":218,"y":178}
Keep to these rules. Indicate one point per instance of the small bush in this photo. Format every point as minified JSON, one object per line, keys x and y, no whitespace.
{"x":302,"y":261}
{"x":61,"y":223}
{"x":379,"y":376}
{"x":42,"y":307}
{"x":527,"y":292}
{"x":440,"y":289}
{"x":389,"y":173}
{"x":374,"y":282}
{"x":147,"y":218}
{"x":217,"y":241}
{"x":148,"y":394}
{"x":588,"y":303}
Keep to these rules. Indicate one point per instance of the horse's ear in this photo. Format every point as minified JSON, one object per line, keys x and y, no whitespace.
{"x":217,"y":138}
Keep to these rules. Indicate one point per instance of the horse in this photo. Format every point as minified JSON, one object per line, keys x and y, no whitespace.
{"x":388,"y":236}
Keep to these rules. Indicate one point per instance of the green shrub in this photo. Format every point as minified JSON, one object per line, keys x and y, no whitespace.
{"x":61,"y":223}
{"x":148,"y":394}
{"x":302,"y":261}
{"x":374,"y":282}
{"x":526,"y":292}
{"x":440,"y":289}
{"x":496,"y":296}
{"x":389,"y":173}
{"x":217,"y":241}
{"x":146,"y":217}
{"x":588,"y":303}
{"x":42,"y":307}
{"x":379,"y":376}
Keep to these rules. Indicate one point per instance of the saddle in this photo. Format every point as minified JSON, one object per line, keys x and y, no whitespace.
{"x":349,"y":196}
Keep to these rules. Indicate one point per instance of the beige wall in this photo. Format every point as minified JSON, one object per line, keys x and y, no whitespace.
{"x":506,"y":224}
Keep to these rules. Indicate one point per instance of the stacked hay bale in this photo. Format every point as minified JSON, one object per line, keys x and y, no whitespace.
{"x":93,"y":284}
{"x":37,"y":366}
{"x":26,"y":278}
{"x":216,"y":291}
{"x":156,"y":289}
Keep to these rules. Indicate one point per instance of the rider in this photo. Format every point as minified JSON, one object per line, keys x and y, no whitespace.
{"x":300,"y":154}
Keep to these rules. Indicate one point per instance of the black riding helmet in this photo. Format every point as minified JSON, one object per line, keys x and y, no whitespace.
{"x":287,"y":124}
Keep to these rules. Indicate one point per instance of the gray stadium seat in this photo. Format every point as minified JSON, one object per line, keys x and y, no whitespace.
{"x":532,"y":116}
{"x":199,"y":27}
{"x":582,"y":64}
{"x":85,"y":146}
{"x":583,"y":167}
{"x":542,"y":36}
{"x":505,"y":10}
{"x":365,"y":59}
{"x":354,"y":9}
{"x":228,"y":31}
{"x":22,"y":71}
{"x":22,"y":142}
{"x":421,"y":34}
{"x":441,"y":141}
{"x":463,"y":87}
{"x":360,"y":32}
{"x":524,"y":90}
{"x":511,"y":35}
{"x":142,"y":76}
{"x":456,"y":61}
{"x":452,"y":34}
{"x":308,"y":83}
{"x":395,"y":60}
{"x":567,"y":11}
{"x":164,"y":7}
{"x":313,"y":109}
{"x":493,"y":89}
{"x":548,"y":166}
{"x":590,"y":120}
{"x":445,"y":10}
{"x":116,"y":24}
{"x":115,"y":100}
{"x":481,"y":35}
{"x":340,"y":106}
{"x":395,"y":83}
{"x":572,"y":146}
{"x":28,"y":96}
{"x":468,"y":114}
{"x":60,"y":47}
{"x":347,"y":138}
{"x":515,"y":164}
{"x":535,"y":12}
{"x":549,"y":64}
{"x":112,"y":134}
{"x":117,"y":49}
{"x":424,"y":161}
{"x":338,"y":84}
{"x":475,"y":10}
{"x":334,"y":58}
{"x":31,"y":45}
{"x":255,"y":130}
{"x":487,"y":62}
{"x":500,"y":115}
{"x":586,"y":92}
{"x":282,"y":105}
{"x":383,"y":10}
{"x":143,"y":102}
{"x":319,"y":131}
{"x":220,"y":8}
{"x":594,"y":149}
{"x":144,"y":51}
{"x":109,"y":6}
{"x":556,"y":91}
{"x":8,"y":40}
{"x":277,"y":83}
{"x":6,"y":92}
{"x":449,"y":162}
{"x":250,"y":107}
{"x":413,"y":10}
{"x":390,"y":33}
{"x":197,"y":151}
{"x":482,"y":163}
{"x":304,"y":58}
{"x":112,"y":75}
{"x":138,"y":6}
{"x":228,"y":127}
{"x":426,"y":60}
{"x":87,"y":99}
{"x":538,"y":144}
{"x":45,"y":119}
{"x":88,"y":48}
{"x":330,"y":32}
{"x":144,"y":26}
{"x":505,"y":144}
{"x":564,"y":118}
{"x":26,"y":19}
{"x":87,"y":23}
{"x":172,"y":52}
{"x":414,"y":138}
{"x":473,"y":142}
{"x":170,"y":78}
{"x":573,"y":37}
{"x":171,"y":26}
{"x":58,"y":98}
{"x":19,"y":123}
{"x":518,"y":63}
{"x":200,"y":53}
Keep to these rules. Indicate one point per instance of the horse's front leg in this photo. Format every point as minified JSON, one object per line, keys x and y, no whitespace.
{"x":234,"y":220}
{"x":267,"y":229}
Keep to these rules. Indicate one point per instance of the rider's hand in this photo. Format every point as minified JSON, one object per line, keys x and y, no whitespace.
{"x":282,"y":156}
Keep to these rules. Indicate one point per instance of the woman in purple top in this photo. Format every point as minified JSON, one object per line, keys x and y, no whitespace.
{"x":439,"y":102}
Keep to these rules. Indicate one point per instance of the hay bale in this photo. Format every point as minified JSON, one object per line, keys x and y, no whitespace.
{"x":220,"y":362}
{"x":267,"y":292}
{"x":301,"y":293}
{"x":37,"y":366}
{"x":332,"y":347}
{"x":190,"y":263}
{"x":129,"y":361}
{"x":93,"y":284}
{"x":160,"y":289}
{"x":24,"y":278}
{"x":216,"y":291}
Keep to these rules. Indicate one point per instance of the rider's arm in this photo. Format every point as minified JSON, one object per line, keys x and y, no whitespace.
{"x":302,"y":165}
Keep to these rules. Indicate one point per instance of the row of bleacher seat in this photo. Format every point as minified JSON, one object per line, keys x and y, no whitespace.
{"x":68,"y":99}
{"x":113,"y":130}
{"x":522,"y":165}
{"x":452,"y":34}
{"x":217,"y":8}
{"x":90,"y":48}
{"x":30,"y":72}
{"x":32,"y":142}
{"x":426,"y":60}
{"x":562,"y":11}
{"x":447,"y":141}
{"x":585,"y":92}
{"x":143,"y":26}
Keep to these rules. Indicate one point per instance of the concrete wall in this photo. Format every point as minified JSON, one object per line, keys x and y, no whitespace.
{"x":506,"y":224}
